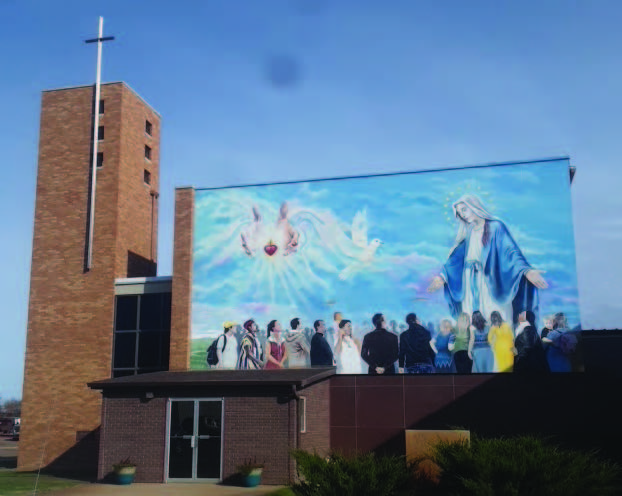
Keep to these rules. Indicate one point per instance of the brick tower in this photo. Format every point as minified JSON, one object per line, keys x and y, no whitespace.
{"x":71,"y":308}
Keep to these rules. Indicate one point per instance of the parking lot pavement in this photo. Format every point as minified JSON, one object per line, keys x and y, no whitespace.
{"x":8,"y":453}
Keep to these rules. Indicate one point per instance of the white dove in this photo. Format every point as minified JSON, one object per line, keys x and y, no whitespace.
{"x":364,"y":255}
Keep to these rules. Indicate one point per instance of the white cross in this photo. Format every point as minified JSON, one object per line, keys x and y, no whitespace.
{"x":99,"y":40}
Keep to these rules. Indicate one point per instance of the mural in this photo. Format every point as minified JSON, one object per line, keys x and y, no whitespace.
{"x":455,"y":271}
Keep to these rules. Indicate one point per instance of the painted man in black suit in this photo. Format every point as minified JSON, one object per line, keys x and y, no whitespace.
{"x":321,"y":354}
{"x":380,"y":348}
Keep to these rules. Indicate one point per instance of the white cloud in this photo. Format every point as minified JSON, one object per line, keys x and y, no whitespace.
{"x":432,"y":249}
{"x":532,"y":245}
{"x":413,"y":260}
{"x":313,"y":193}
{"x":551,"y":265}
{"x":523,"y":175}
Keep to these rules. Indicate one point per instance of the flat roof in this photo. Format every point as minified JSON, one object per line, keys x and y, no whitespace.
{"x":230,"y":378}
{"x":106,"y":84}
{"x":142,"y":280}
{"x":143,"y":285}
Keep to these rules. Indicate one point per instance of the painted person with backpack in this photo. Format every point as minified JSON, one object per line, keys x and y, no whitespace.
{"x":562,"y":345}
{"x":251,"y":352}
{"x":223,"y":352}
{"x":227,"y":348}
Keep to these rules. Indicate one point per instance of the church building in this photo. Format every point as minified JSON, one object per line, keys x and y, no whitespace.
{"x":108,"y":372}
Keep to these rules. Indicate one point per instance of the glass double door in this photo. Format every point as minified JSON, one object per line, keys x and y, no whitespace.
{"x":194,"y":439}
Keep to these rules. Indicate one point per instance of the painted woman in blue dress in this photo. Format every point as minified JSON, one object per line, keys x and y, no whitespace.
{"x":486,"y":269}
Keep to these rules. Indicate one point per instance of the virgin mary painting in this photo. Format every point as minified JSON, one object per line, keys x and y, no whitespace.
{"x":486,"y":269}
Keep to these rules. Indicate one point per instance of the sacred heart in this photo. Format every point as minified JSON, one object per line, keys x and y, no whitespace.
{"x":270,"y":249}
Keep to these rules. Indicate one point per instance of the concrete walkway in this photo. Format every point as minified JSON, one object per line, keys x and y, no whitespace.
{"x":171,"y":489}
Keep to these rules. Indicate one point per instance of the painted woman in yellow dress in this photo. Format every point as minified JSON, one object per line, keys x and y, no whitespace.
{"x":501,"y":339}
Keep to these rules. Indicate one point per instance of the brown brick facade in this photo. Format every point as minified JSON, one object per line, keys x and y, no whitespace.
{"x":182,"y":279}
{"x":137,"y":204}
{"x":71,"y":311}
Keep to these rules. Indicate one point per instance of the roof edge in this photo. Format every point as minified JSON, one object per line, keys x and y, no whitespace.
{"x":395,"y":173}
{"x":144,"y":381}
{"x":142,"y":280}
{"x":107,"y":84}
{"x":321,"y":376}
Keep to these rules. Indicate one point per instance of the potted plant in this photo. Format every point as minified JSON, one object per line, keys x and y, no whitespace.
{"x":124,"y":471}
{"x":251,"y":473}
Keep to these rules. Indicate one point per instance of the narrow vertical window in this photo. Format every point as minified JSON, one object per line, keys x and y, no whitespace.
{"x":100,"y":133}
{"x":302,"y":409}
{"x":147,"y":152}
{"x":100,"y":160}
{"x":148,"y":128}
{"x":101,"y":107}
{"x":147,"y":177}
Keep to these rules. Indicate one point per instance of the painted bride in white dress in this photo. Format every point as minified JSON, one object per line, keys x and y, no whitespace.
{"x":348,"y":350}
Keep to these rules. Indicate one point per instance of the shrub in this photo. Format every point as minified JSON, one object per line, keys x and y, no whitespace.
{"x":521,"y":466}
{"x":361,"y":475}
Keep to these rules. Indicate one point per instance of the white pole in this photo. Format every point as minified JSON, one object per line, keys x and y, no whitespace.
{"x":89,"y":260}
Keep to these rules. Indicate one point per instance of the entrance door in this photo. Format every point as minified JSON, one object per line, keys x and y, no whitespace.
{"x":194,"y":439}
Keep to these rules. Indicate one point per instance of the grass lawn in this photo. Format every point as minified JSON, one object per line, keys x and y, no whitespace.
{"x":23,"y":483}
{"x":198,"y":353}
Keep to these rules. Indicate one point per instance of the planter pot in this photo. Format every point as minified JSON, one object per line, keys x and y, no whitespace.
{"x":125,"y":475}
{"x":252,"y":479}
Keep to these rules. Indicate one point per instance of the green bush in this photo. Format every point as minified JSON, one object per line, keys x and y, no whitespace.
{"x":521,"y":466}
{"x":361,"y":475}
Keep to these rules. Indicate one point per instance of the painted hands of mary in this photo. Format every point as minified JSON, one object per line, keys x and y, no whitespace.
{"x":436,"y":284}
{"x":534,"y":277}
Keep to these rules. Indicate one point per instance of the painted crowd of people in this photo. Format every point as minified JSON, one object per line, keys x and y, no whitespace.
{"x":471,"y":344}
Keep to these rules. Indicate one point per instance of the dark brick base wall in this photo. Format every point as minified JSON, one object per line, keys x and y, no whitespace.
{"x":573,"y":410}
{"x":133,"y":428}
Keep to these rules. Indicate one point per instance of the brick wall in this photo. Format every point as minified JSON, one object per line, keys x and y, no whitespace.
{"x":261,"y":429}
{"x":316,"y":439}
{"x":133,"y":428}
{"x":267,"y":428}
{"x":71,"y":311}
{"x":260,"y":423}
{"x":182,"y":279}
{"x":137,"y":231}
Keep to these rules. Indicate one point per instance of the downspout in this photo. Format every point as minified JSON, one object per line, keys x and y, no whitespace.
{"x":296,"y":426}
{"x":154,"y":197}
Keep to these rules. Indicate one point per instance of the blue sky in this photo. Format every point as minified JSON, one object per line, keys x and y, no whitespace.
{"x":413,"y":217}
{"x":280,"y":90}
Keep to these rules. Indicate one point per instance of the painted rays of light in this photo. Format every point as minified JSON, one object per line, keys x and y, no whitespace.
{"x":281,"y":253}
